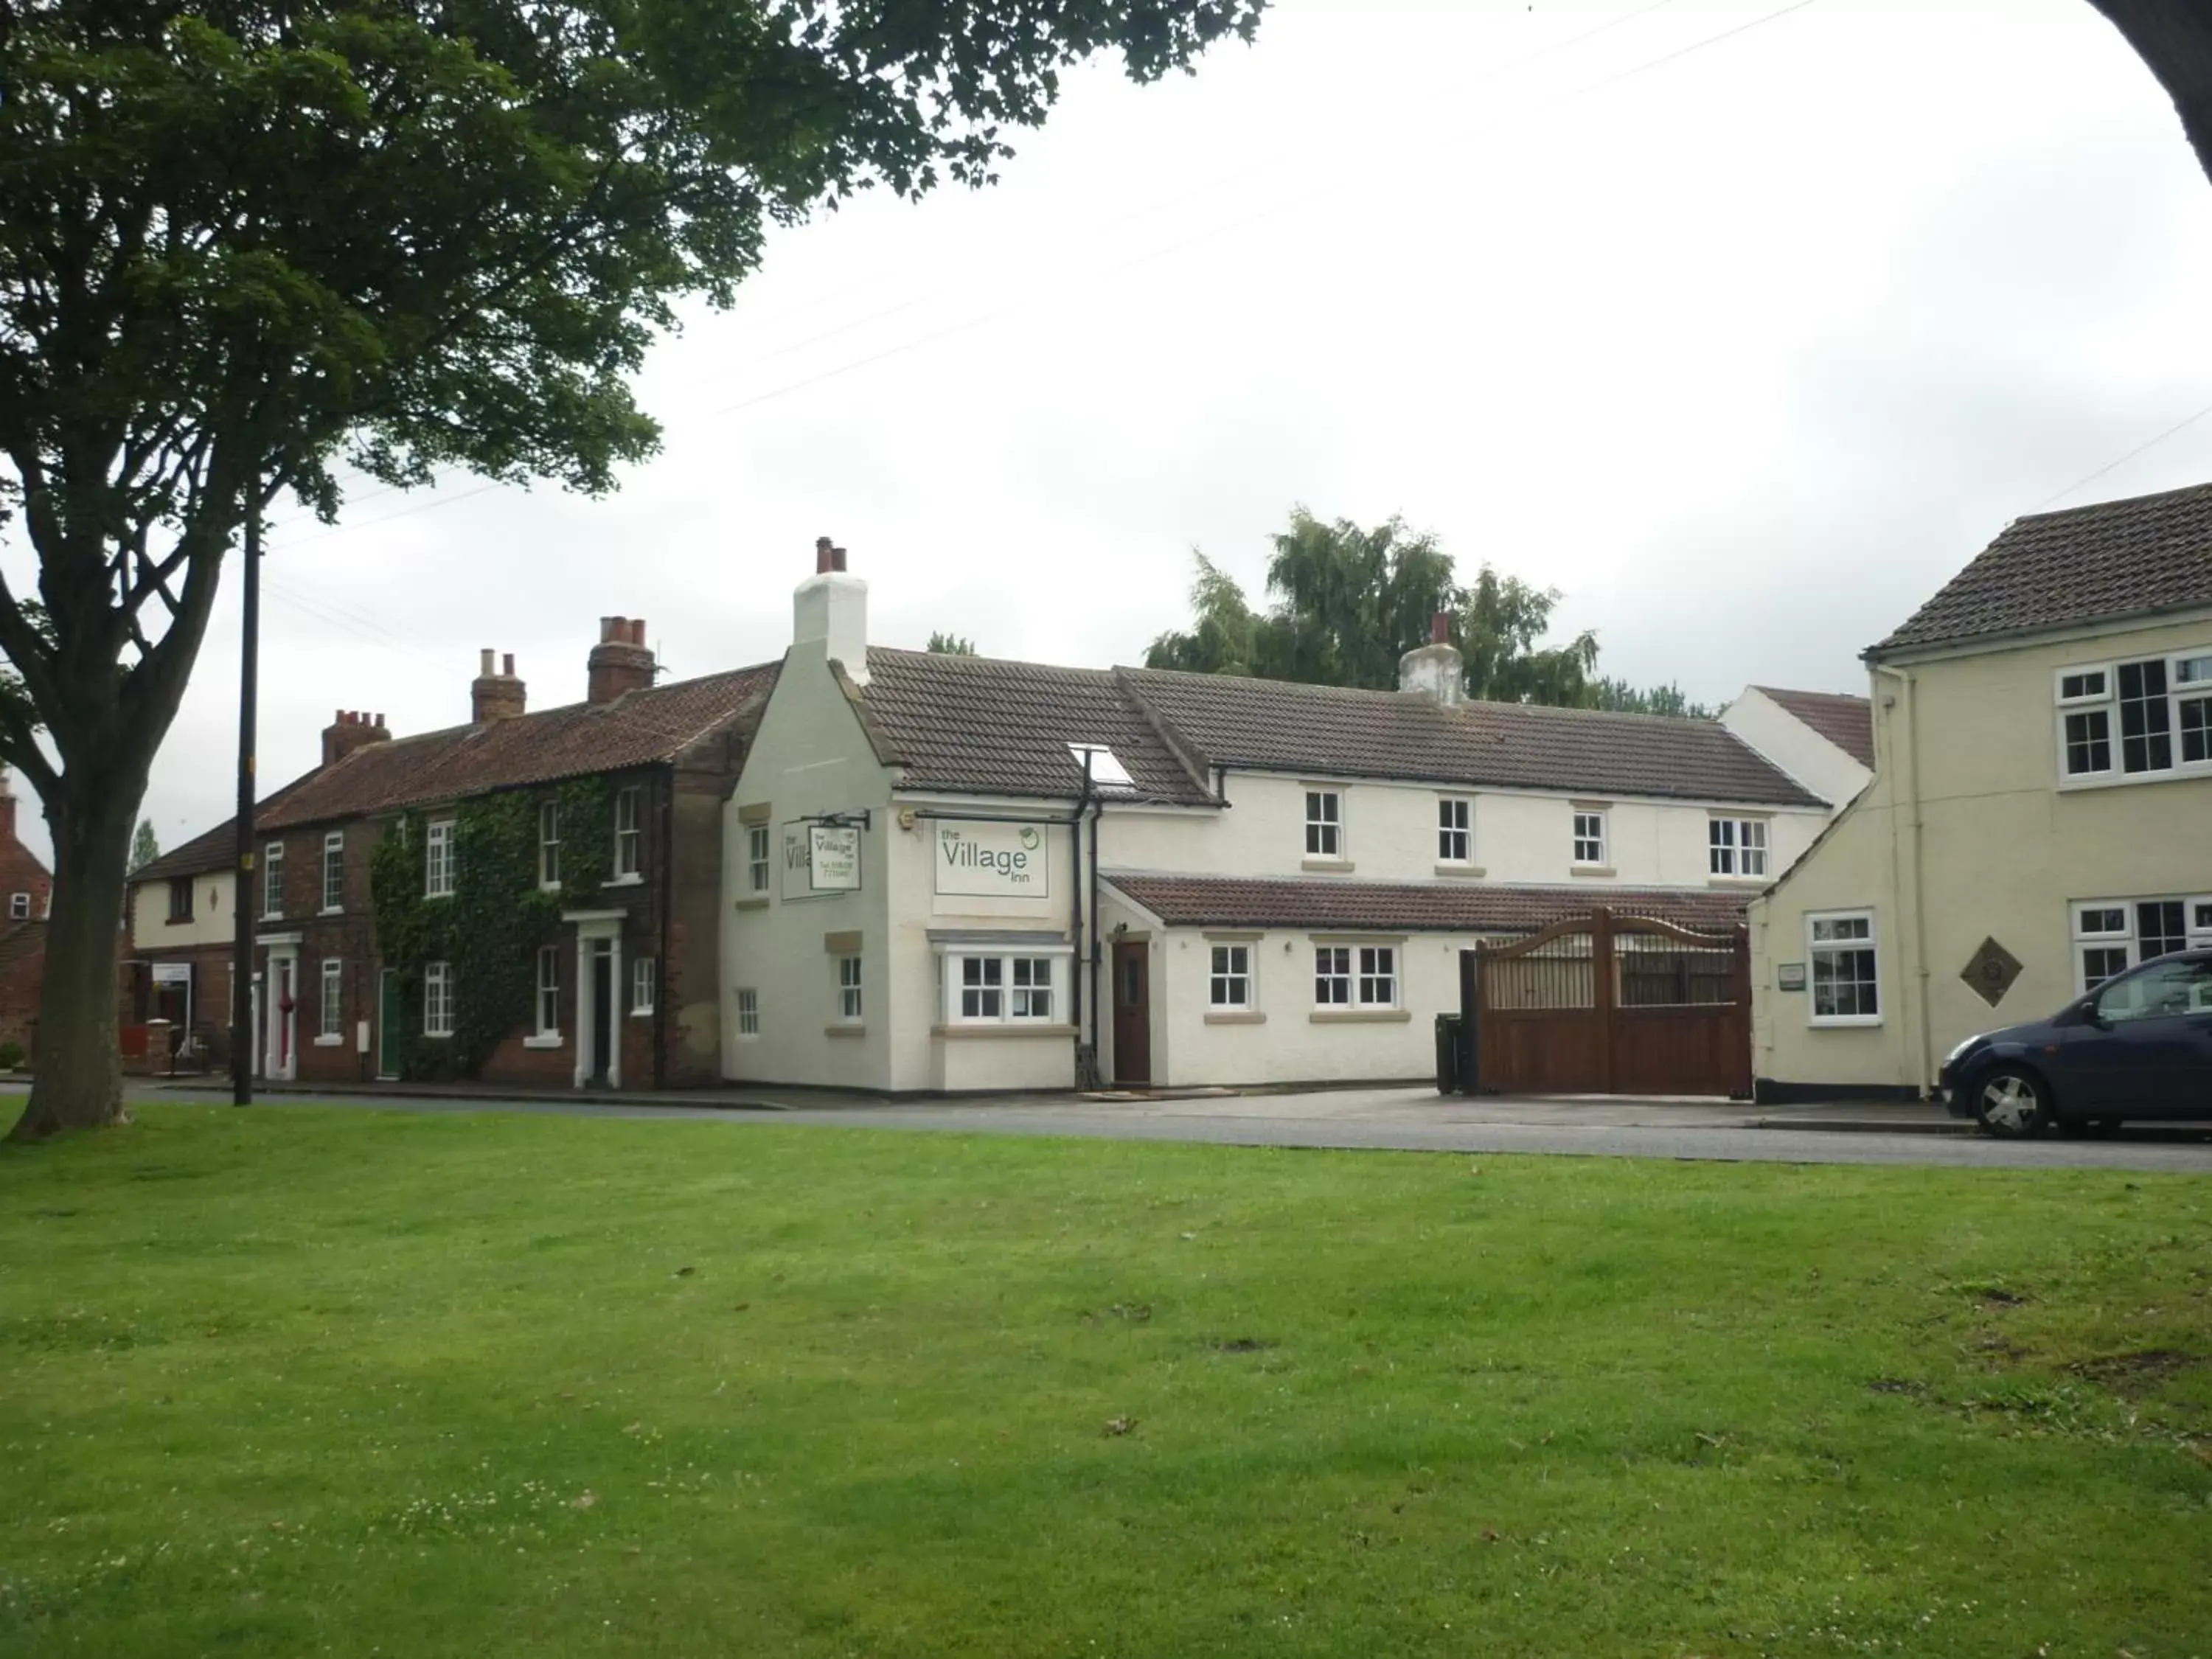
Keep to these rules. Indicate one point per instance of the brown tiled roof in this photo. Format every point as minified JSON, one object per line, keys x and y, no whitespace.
{"x":215,"y":849}
{"x":1335,"y":732}
{"x":984,"y":725}
{"x":636,"y":730}
{"x":1846,"y":721}
{"x":2125,"y":558}
{"x":1406,"y":907}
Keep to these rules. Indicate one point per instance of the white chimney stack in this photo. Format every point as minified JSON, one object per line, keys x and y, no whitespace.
{"x":832,"y":606}
{"x":1436,"y":671}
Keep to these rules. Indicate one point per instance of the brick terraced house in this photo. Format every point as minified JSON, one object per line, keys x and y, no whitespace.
{"x":26,"y":889}
{"x":560,"y":868}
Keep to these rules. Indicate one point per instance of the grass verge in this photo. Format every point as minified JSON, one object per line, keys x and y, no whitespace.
{"x":291,"y":1382}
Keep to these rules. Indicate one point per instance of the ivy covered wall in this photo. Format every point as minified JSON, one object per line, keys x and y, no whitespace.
{"x":492,"y":925}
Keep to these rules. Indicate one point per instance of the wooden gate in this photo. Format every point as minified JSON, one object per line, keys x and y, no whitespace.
{"x":1614,"y":1006}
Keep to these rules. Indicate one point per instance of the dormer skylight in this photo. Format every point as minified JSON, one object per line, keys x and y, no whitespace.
{"x":1107,"y":772}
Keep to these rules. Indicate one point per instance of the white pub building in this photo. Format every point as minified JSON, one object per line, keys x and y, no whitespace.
{"x":958,"y":873}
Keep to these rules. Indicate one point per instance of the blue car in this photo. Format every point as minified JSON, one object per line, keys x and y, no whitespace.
{"x":2139,"y":1046}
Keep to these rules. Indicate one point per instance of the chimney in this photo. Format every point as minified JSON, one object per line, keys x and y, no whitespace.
{"x":350,"y":729}
{"x":620,"y":663}
{"x":1435,"y":671}
{"x":830,"y":607}
{"x":496,"y":696}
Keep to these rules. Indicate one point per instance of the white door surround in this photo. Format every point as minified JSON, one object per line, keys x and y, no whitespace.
{"x":281,"y":1051}
{"x":599,"y":936}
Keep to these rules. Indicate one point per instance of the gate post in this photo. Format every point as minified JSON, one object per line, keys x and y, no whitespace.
{"x":1602,"y":993}
{"x":1470,"y":1011}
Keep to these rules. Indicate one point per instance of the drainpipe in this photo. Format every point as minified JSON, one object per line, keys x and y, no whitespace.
{"x":1097,"y":809}
{"x":1075,"y":935}
{"x":1911,"y":779}
{"x":660,"y":963}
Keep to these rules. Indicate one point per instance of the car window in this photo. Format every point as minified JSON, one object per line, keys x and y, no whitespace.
{"x":2162,"y":990}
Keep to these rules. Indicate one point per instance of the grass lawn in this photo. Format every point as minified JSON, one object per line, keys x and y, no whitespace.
{"x":289,"y":1382}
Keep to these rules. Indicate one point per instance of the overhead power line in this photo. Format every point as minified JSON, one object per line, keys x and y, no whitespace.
{"x":2143,"y":448}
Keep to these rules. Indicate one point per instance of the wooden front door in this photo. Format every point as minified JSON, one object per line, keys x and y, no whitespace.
{"x":1132,"y":1013}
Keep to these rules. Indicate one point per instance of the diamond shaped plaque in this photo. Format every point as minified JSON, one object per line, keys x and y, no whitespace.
{"x":1992,"y":972}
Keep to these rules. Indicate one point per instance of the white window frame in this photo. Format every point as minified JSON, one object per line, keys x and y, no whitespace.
{"x":549,"y":844}
{"x":644,"y":985}
{"x":748,"y":1013}
{"x":1014,"y":988}
{"x":1734,"y":845}
{"x":2127,"y":940}
{"x":1375,"y":981}
{"x":2106,"y":700}
{"x":330,"y":1016}
{"x":334,"y":865}
{"x":272,"y":880}
{"x":1601,"y":840}
{"x":852,"y":975}
{"x":549,"y":991}
{"x":1455,"y":829}
{"x":19,"y":906}
{"x":438,"y":999}
{"x":1324,"y":840}
{"x":438,"y":861}
{"x":1333,"y":975}
{"x":760,"y":865}
{"x":1815,"y":947}
{"x":1230,"y":970}
{"x":628,"y":840}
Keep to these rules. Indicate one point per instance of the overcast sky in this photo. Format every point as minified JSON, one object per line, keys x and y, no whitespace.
{"x":1745,"y":351}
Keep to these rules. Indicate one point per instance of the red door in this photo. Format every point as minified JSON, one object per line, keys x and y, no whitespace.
{"x":1132,"y":1014}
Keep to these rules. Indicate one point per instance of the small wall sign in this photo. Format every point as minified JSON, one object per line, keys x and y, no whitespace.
{"x":834,"y":854}
{"x":1790,"y":976}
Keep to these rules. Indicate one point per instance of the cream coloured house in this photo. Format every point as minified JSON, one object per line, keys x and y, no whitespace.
{"x":955,"y":873}
{"x":2040,"y":814}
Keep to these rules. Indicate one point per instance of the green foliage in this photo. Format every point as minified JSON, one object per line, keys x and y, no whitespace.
{"x":511,"y":1381}
{"x":11,"y":1055}
{"x":145,"y":846}
{"x":952,"y":644}
{"x":492,"y":926}
{"x":1668,"y":699}
{"x":243,"y":244}
{"x":1349,"y":602}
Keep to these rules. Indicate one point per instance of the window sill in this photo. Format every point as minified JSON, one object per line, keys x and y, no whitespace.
{"x":1742,"y":884}
{"x":1253,"y":1017}
{"x":641,"y":1014}
{"x":1851,"y":1022}
{"x":1599,"y":871}
{"x":544,"y":1040}
{"x":549,"y":886}
{"x":635,"y":879}
{"x":758,"y":902}
{"x":427,"y":897}
{"x":1465,"y":872}
{"x":1327,"y":867}
{"x":1360,"y":1016}
{"x":843,"y":1028}
{"x":2193,"y":769}
{"x":1006,"y":1029}
{"x":331,"y":910}
{"x":178,"y":921}
{"x":332,"y":1042}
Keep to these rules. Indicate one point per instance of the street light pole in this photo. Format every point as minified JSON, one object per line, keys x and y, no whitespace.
{"x":242,"y":967}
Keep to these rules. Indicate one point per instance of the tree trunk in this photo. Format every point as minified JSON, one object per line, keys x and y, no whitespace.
{"x":78,"y":1081}
{"x":2175,"y":38}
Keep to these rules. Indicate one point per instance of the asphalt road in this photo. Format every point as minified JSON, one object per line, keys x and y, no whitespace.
{"x":1399,"y":1120}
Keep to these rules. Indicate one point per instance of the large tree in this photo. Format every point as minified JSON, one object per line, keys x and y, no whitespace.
{"x":2174,"y":39}
{"x":1348,"y":602}
{"x":245,"y":240}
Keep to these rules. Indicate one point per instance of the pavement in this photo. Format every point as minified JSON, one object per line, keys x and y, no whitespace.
{"x":1404,"y":1119}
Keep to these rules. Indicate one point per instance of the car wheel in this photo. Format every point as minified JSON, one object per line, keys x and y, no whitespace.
{"x":2011,"y":1103}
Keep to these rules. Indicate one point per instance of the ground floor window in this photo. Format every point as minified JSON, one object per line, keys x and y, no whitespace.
{"x":1845,"y":969}
{"x":643,"y":981}
{"x":2112,"y":935}
{"x":1378,"y":976}
{"x":1230,"y":984}
{"x":549,"y":991}
{"x":748,"y":1012}
{"x":438,"y":999}
{"x":333,"y":999}
{"x":848,"y":989}
{"x":1011,"y":989}
{"x":1363,"y":975}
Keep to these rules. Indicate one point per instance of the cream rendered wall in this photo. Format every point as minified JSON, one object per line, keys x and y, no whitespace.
{"x":213,"y":921}
{"x":958,"y":1057}
{"x":1390,"y":835}
{"x":809,"y":755}
{"x":2004,"y":851}
{"x":1795,"y":747}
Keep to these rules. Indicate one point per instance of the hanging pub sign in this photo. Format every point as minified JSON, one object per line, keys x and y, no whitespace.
{"x":981,"y":859}
{"x":820,"y":858}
